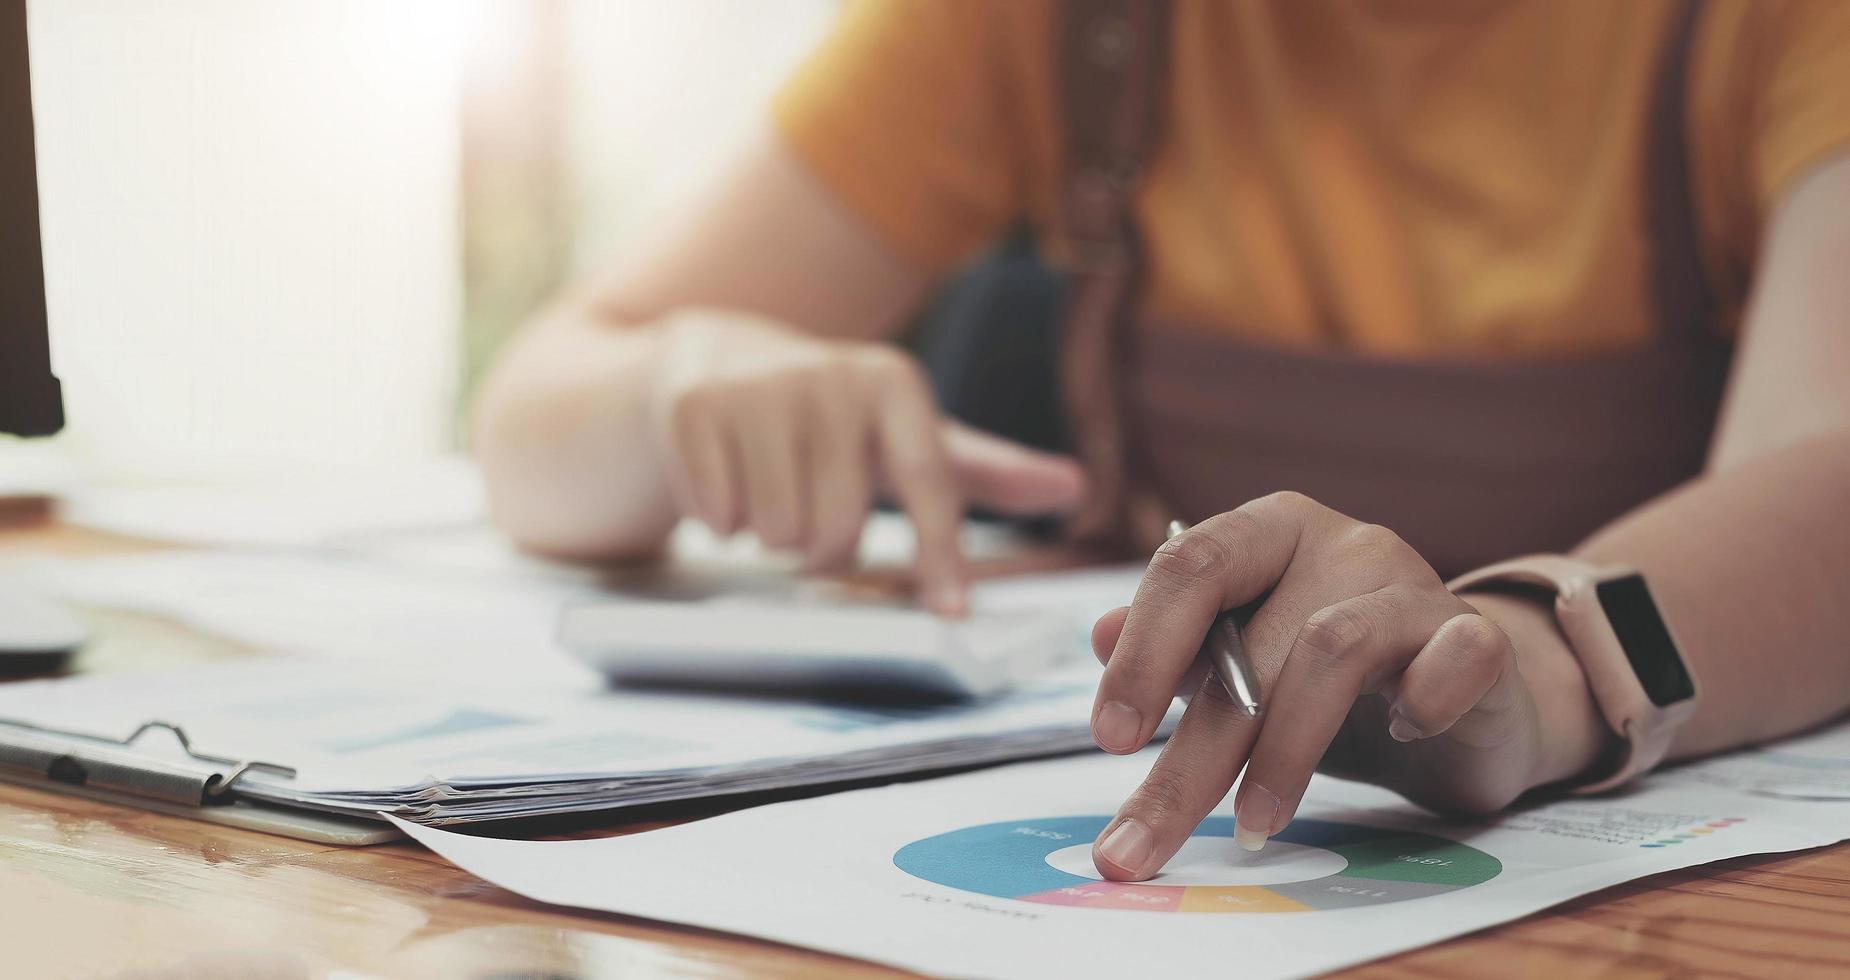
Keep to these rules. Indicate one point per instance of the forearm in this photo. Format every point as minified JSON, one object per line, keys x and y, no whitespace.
{"x":1750,"y":563}
{"x":1751,"y":567}
{"x":561,"y":437}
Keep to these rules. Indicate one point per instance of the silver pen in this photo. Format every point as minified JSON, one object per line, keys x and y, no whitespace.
{"x":1225,"y":652}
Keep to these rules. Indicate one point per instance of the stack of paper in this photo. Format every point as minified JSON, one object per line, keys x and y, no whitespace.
{"x":371,"y":739}
{"x":426,"y":679}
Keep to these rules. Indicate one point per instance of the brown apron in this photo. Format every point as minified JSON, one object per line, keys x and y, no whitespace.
{"x":1468,"y":461}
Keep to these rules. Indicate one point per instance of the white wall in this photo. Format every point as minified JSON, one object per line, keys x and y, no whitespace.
{"x":250,"y":230}
{"x":660,"y":92}
{"x":250,"y":213}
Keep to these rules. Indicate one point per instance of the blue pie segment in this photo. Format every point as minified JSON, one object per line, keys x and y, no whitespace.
{"x":1009,"y":860}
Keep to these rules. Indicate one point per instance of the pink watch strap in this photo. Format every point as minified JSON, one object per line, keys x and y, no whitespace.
{"x":1610,"y":678}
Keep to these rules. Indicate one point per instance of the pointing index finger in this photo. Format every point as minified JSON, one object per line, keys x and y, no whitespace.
{"x":918,"y":470}
{"x":1222,"y":563}
{"x":1192,"y":775}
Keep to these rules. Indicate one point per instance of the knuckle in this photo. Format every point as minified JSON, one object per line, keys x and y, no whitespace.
{"x":772,"y":393}
{"x":689,"y":406}
{"x":1288,"y":500}
{"x":1371,"y":538}
{"x":1192,"y":556}
{"x":839,"y":380}
{"x":1290,"y":506}
{"x":1334,"y":635}
{"x":1474,"y":635}
{"x":1239,"y":524}
{"x":1163,"y":793}
{"x":1130,"y":670}
{"x":1376,"y":545}
{"x":886,"y":365}
{"x":801,"y":385}
{"x":1136,"y":676}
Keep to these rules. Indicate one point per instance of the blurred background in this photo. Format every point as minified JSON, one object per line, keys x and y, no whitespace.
{"x":290,"y":234}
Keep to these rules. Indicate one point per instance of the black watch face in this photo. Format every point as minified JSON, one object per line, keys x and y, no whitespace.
{"x":1646,"y":641}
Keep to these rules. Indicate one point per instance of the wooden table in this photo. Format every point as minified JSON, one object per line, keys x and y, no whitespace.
{"x":88,"y":889}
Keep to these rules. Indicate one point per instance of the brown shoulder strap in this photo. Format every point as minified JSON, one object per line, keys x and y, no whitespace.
{"x":1679,"y":280}
{"x":1112,"y":65}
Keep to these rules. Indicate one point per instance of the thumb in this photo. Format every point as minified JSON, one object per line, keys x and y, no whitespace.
{"x":1010,"y":478}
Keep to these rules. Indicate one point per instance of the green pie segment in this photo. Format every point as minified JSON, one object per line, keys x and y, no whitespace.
{"x":1009,"y":860}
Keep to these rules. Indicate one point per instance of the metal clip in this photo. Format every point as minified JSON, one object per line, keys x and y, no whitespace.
{"x":218,"y":785}
{"x":81,"y":759}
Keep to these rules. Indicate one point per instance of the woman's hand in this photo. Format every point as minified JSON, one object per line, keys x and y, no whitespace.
{"x":792,"y":436}
{"x":1370,"y":667}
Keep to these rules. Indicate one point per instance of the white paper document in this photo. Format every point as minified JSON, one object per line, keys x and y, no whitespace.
{"x":370,"y":739}
{"x":990,"y":874}
{"x":473,"y":628}
{"x":463,"y":602}
{"x":427,"y":684}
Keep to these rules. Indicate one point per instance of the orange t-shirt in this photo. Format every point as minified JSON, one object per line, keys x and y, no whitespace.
{"x":1400,"y":177}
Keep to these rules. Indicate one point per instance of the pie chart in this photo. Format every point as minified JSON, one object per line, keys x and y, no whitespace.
{"x":1312,"y":865}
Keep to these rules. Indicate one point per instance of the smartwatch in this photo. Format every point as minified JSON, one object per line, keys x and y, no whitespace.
{"x":1632,"y":663}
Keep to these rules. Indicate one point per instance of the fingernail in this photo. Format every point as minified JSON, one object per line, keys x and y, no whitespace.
{"x":1254,"y":816}
{"x":1117,"y":726}
{"x":1402,"y":730}
{"x":1127,"y":846}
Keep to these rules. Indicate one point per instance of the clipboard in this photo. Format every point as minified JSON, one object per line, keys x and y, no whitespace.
{"x":201,"y":787}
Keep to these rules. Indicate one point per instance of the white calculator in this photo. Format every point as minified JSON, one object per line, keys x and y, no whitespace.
{"x":753,"y":644}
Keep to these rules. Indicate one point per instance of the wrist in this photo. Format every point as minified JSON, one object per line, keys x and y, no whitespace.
{"x":1572,"y":737}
